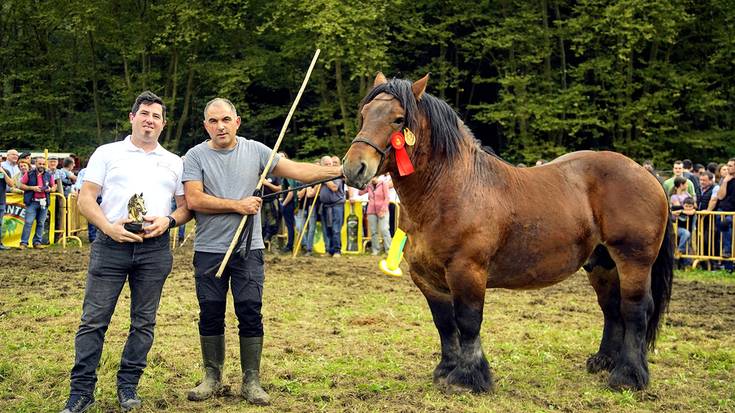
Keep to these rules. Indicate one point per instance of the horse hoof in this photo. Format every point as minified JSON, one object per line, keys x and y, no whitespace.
{"x":628,"y":377}
{"x":476,"y":378}
{"x":599,"y":362}
{"x":441,"y":372}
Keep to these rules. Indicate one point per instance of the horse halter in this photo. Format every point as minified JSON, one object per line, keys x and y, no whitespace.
{"x":383,"y":152}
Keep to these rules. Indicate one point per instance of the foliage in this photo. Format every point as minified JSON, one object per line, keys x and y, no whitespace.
{"x":652,"y":79}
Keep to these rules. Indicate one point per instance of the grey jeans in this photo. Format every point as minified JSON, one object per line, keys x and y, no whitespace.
{"x":145,"y":266}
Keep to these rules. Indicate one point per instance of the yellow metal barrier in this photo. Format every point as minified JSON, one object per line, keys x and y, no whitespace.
{"x":706,"y":242}
{"x":75,"y":223}
{"x":57,"y":208}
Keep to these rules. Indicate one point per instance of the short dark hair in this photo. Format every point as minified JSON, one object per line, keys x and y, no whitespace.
{"x":712,"y":167}
{"x":68,"y":162}
{"x":709,"y":175}
{"x":688,"y":201}
{"x":698,"y":166}
{"x":148,"y":98}
{"x":687,"y":163}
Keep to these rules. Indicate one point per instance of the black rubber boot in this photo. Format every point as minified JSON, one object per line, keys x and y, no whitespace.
{"x":213,"y":358}
{"x":250,"y":351}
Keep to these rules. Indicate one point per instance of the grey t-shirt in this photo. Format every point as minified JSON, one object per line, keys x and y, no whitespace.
{"x":229,"y":174}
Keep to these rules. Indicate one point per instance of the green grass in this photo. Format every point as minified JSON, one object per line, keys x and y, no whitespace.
{"x":342,"y":337}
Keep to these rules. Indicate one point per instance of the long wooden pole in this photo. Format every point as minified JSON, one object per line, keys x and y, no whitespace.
{"x":244,"y":219}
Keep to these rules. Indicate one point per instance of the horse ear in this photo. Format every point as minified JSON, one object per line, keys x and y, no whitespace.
{"x":419,"y":87}
{"x":379,"y":80}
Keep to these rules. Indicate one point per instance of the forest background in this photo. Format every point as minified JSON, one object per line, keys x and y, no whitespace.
{"x":654,"y":79}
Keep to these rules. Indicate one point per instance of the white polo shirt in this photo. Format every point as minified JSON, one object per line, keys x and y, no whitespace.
{"x":122,"y":169}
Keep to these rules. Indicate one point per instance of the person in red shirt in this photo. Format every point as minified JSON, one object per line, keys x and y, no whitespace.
{"x":36,"y":185}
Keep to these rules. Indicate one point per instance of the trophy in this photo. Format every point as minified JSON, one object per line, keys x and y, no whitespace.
{"x":136,"y":210}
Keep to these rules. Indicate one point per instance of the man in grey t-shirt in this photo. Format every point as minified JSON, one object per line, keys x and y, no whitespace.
{"x":219,"y":177}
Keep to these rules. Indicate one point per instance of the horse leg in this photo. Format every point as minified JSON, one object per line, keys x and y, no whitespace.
{"x":442,"y":311}
{"x":636,"y":305}
{"x":443,"y":314}
{"x":603,"y":276}
{"x":468,"y":293}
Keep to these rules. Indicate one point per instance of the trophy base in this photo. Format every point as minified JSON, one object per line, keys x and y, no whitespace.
{"x":134,"y":227}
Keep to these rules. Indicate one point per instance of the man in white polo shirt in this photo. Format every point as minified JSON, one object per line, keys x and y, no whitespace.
{"x":118,"y":170}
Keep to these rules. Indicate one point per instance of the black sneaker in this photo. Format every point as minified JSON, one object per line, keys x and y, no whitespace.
{"x":78,"y":403}
{"x":128,"y":399}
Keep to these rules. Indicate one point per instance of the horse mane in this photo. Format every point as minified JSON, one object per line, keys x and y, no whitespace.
{"x":446,"y":135}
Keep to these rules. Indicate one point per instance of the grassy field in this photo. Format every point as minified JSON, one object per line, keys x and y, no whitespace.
{"x":342,"y":337}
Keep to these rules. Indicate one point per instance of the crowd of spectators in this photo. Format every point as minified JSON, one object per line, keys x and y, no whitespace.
{"x":36,"y":179}
{"x":328,"y":202}
{"x":695,"y":187}
{"x":691,"y":188}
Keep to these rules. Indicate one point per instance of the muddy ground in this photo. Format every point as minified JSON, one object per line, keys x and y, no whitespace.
{"x":340,"y":336}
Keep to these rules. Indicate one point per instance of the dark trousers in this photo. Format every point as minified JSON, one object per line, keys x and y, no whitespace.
{"x":145,"y":266}
{"x":246,"y":274}
{"x":290,"y":221}
{"x":270,"y":219}
{"x":332,"y":218}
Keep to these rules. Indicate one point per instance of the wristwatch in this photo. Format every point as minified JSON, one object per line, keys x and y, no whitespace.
{"x":171,"y":221}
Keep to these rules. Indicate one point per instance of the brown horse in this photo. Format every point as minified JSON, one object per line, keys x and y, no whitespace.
{"x":477,"y":222}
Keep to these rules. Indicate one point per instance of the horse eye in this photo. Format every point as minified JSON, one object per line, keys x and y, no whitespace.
{"x":398,"y":120}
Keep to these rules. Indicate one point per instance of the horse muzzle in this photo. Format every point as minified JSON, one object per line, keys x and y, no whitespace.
{"x":358,"y":173}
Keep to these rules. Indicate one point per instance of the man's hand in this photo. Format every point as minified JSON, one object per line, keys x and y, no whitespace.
{"x":249,"y":205}
{"x":117,"y":232}
{"x":727,"y":178}
{"x":158,"y":226}
{"x":35,"y":188}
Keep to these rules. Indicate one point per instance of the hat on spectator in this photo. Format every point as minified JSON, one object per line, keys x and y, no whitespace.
{"x":24,"y":154}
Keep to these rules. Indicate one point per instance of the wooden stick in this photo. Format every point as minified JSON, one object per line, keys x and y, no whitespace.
{"x":244,"y":219}
{"x":306,"y":223}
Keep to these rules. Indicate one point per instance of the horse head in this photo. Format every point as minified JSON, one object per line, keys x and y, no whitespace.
{"x":389,"y":107}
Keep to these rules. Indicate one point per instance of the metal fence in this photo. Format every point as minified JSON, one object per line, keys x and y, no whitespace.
{"x":706,"y":237}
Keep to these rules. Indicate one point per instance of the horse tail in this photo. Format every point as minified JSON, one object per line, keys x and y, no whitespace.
{"x":662,"y":276}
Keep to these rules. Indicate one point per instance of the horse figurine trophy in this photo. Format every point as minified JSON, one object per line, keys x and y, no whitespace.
{"x":136,"y":211}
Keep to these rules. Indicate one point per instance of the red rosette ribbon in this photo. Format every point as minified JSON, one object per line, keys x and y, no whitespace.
{"x":398,"y":141}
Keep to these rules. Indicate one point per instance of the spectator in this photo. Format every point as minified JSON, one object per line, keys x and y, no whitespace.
{"x":712,"y":167}
{"x":67,"y":176}
{"x":36,"y":184}
{"x":707,"y":202}
{"x":332,"y":198}
{"x":24,"y":168}
{"x":722,"y":172}
{"x":726,"y":203}
{"x":288,"y":201}
{"x":688,"y":174}
{"x":648,"y":165}
{"x":378,"y":214}
{"x":91,"y":229}
{"x":678,"y":192}
{"x":679,"y":171}
{"x":11,"y":166}
{"x":309,"y":195}
{"x":5,"y":182}
{"x":698,"y":169}
{"x":270,"y":217}
{"x":685,"y":225}
{"x":26,"y":156}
